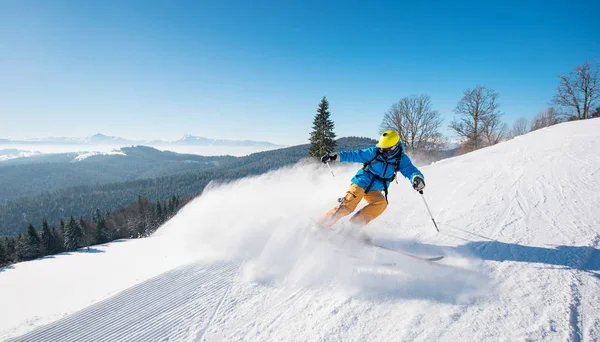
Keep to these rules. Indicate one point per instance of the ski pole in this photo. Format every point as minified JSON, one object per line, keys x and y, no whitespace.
{"x":330,"y":170}
{"x":426,"y":206}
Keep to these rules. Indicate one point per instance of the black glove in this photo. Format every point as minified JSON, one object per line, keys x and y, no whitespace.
{"x":418,"y":183}
{"x":329,"y":156}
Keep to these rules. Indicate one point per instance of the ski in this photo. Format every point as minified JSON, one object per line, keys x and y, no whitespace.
{"x":367,"y":242}
{"x":423,"y":258}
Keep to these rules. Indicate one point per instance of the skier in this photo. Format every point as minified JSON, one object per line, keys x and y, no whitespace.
{"x":380,"y":165}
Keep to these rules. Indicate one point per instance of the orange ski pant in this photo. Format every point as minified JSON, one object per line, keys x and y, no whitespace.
{"x":376,"y":204}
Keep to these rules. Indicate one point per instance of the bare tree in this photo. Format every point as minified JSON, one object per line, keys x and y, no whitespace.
{"x":493,"y":129}
{"x":416,"y":121}
{"x":519,"y":127}
{"x":478,"y":117}
{"x":578,"y":91}
{"x":546,"y":118}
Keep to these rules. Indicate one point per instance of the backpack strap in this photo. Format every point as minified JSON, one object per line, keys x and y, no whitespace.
{"x":367,"y":164}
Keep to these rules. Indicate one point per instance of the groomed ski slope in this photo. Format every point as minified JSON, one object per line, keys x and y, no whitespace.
{"x":520,"y":228}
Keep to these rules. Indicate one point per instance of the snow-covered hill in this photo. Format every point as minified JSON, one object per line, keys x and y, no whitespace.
{"x":6,"y":154}
{"x":520,"y":229}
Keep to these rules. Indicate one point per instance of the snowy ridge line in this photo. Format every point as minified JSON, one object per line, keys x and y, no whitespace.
{"x":160,"y":308}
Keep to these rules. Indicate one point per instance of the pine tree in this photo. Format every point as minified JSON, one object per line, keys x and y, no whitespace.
{"x":322,"y":138}
{"x":22,"y":248}
{"x":159,"y":213}
{"x":67,"y":234}
{"x":73,"y":235}
{"x":97,"y":216}
{"x":46,"y":239}
{"x":101,"y":231}
{"x":142,"y":217}
{"x":58,"y":242}
{"x":88,"y":232}
{"x":173,"y":205}
{"x":11,"y":252}
{"x":34,"y":237}
{"x":3,"y":255}
{"x":28,"y":244}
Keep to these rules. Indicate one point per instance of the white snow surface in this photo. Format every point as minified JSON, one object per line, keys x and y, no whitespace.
{"x":519,"y":228}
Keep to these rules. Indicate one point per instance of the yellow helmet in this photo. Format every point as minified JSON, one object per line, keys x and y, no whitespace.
{"x":388,"y":139}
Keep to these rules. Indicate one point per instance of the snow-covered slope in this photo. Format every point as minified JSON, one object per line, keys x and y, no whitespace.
{"x":520,"y":228}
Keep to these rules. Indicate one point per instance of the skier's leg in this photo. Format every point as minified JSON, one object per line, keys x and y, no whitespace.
{"x":353,"y":196}
{"x":376,"y":206}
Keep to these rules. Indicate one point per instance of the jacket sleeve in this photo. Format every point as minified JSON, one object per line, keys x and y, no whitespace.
{"x":358,"y":156}
{"x":407,"y":169}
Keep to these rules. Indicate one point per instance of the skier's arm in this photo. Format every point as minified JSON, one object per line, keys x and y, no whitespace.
{"x":358,"y":156}
{"x":407,"y":169}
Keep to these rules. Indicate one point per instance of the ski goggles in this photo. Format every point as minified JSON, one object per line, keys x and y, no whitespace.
{"x":388,"y":149}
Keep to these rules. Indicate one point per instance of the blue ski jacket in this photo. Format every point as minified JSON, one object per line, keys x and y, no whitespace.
{"x":381,"y":164}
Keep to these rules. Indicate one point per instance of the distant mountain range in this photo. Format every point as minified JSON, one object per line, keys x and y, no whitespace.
{"x":58,"y":185}
{"x":101,"y":139}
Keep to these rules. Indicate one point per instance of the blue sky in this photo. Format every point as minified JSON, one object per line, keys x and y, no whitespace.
{"x":258,"y":69}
